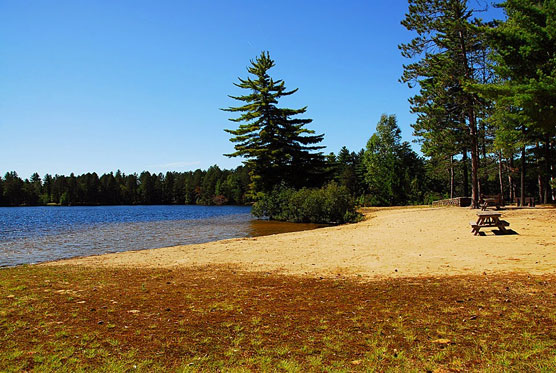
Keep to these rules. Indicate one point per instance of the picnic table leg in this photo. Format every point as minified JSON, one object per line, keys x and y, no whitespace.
{"x":477,"y":228}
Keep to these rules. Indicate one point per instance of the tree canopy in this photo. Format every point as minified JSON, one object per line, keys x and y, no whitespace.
{"x":392,"y":169}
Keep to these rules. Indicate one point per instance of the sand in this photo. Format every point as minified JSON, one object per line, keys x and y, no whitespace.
{"x":391,"y":242}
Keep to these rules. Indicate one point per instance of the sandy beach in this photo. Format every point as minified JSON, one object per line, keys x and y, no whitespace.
{"x":391,"y":242}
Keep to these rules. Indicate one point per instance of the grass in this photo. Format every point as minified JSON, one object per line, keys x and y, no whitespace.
{"x":206,"y":319}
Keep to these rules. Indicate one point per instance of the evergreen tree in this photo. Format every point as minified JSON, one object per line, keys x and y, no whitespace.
{"x":276,"y":145}
{"x":46,"y":197}
{"x":36,"y":189}
{"x":13,"y":189}
{"x":347,"y":173}
{"x":451,"y":49}
{"x":524,"y":52}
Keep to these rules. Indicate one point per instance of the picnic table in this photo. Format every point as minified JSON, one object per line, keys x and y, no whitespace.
{"x":487,"y":201}
{"x":488,"y":219}
{"x":528,"y":201}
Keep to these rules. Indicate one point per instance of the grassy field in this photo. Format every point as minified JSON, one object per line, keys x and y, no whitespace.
{"x":206,"y":319}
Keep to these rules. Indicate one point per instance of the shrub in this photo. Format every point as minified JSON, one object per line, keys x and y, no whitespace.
{"x":430,"y":197}
{"x":330,"y":204}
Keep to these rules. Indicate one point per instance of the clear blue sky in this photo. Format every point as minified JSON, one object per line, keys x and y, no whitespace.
{"x":137,"y":85}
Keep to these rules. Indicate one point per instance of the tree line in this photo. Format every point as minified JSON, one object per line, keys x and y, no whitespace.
{"x":365,"y":176}
{"x":207,"y":187}
{"x":485,"y":107}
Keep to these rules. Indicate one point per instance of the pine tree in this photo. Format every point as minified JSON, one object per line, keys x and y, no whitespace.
{"x":277,"y":147}
{"x":451,"y":48}
{"x":524,"y":52}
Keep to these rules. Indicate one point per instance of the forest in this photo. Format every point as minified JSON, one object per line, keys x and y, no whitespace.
{"x":211,"y":187}
{"x":485,"y":123}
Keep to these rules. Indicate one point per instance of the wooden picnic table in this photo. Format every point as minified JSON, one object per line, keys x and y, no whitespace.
{"x":488,"y":219}
{"x":487,"y":201}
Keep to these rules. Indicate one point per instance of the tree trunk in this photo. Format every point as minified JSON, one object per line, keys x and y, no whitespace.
{"x":500,"y":175}
{"x":522,"y":181}
{"x":547,"y":160}
{"x":465,"y":174}
{"x":540,"y":181}
{"x":483,"y":161}
{"x":511,"y":179}
{"x":474,"y":159}
{"x":451,"y":176}
{"x":470,"y":111}
{"x":541,"y":188}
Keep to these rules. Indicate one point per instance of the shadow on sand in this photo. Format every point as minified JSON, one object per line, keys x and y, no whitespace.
{"x":497,"y":232}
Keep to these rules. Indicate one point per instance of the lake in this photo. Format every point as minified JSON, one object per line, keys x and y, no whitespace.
{"x":45,"y":233}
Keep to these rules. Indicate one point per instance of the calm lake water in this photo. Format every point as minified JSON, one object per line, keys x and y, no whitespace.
{"x":37,"y":234}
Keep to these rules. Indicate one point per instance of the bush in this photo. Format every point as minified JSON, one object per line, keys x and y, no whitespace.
{"x":368,"y":200}
{"x":330,"y":204}
{"x":433,"y":196}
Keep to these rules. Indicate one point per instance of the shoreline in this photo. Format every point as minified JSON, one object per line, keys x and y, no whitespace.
{"x":390,"y":242}
{"x":39,"y":236}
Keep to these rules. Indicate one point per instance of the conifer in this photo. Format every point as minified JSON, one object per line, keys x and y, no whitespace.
{"x":277,"y":147}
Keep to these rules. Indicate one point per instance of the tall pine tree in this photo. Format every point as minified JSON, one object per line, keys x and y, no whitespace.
{"x":524,"y":52}
{"x":277,"y":147}
{"x":446,"y":54}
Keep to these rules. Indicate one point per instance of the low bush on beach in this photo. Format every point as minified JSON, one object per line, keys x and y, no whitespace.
{"x":329,"y":204}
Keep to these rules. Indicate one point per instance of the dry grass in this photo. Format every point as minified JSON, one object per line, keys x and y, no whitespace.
{"x":205,"y":319}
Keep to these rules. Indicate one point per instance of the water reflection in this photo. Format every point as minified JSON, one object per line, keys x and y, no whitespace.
{"x":268,"y":227}
{"x":100,"y":238}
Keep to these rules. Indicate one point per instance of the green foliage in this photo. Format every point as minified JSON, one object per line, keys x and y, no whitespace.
{"x":524,"y":55}
{"x":430,"y":197}
{"x":393,"y":172}
{"x":274,"y":143}
{"x":329,"y":204}
{"x":347,"y":170}
{"x":525,"y":61}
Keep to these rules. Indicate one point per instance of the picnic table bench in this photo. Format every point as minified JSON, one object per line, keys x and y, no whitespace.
{"x":488,"y":219}
{"x":495,"y":200}
{"x":528,"y":201}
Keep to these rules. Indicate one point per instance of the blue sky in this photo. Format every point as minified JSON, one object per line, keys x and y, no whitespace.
{"x":137,"y":85}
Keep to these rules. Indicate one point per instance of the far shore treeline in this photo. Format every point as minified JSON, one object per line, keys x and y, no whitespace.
{"x":485,"y":108}
{"x":201,"y":187}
